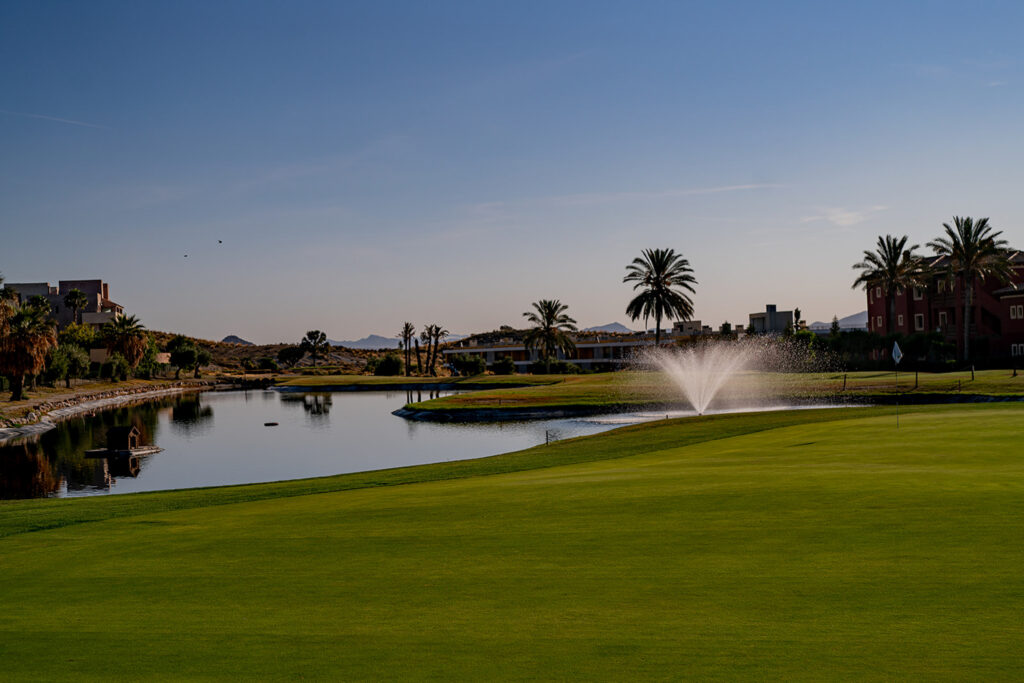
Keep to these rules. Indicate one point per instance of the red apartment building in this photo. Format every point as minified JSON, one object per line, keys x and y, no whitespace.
{"x":997,"y":315}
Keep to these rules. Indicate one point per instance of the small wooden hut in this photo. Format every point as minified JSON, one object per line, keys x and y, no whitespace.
{"x":122,"y":438}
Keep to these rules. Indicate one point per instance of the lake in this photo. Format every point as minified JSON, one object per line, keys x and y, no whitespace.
{"x":219,"y":438}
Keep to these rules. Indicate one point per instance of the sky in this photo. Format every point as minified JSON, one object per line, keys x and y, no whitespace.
{"x":368,"y":163}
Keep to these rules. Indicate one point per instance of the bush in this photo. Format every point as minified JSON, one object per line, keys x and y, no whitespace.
{"x":115,"y":368}
{"x":387,"y":366}
{"x":468,"y":365}
{"x":556,"y":367}
{"x":269,"y":364}
{"x":504,"y":366}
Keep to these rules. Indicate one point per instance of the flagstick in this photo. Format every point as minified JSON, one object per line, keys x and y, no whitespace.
{"x":897,"y":397}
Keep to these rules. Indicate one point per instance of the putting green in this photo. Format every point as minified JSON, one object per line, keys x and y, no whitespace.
{"x":837,"y":549}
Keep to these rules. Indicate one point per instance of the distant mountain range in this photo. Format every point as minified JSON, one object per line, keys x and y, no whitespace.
{"x":610,"y":327}
{"x":375,"y":341}
{"x":234,"y":339}
{"x":857,"y":321}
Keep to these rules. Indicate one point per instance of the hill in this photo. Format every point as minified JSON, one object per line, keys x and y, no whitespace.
{"x":615,"y":328}
{"x":234,"y":339}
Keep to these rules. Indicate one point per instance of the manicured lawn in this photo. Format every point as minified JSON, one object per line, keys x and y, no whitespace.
{"x":813,"y":545}
{"x":632,"y":388}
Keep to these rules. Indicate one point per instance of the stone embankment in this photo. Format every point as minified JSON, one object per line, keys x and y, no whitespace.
{"x":44,"y":416}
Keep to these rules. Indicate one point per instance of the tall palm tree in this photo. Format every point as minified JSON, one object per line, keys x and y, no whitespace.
{"x":438,"y":333}
{"x":408,"y":330}
{"x":8,"y":302}
{"x":664,"y":278}
{"x":28,"y":337}
{"x":315,"y":343}
{"x":76,"y":300}
{"x":427,"y":337}
{"x":893,"y":266}
{"x":551,"y":330}
{"x":127,"y":336}
{"x":973,"y":252}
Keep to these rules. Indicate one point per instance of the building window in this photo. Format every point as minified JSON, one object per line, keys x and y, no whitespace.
{"x":942,"y":286}
{"x":899,"y":320}
{"x":1015,"y":349}
{"x":878,"y":322}
{"x":919,"y":321}
{"x":918,"y":293}
{"x":942,"y":319}
{"x":878,"y":292}
{"x":1017,"y":312}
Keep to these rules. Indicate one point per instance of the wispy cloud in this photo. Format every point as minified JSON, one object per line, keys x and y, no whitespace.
{"x":843,"y":217}
{"x":591,"y":198}
{"x":56,"y":119}
{"x":996,"y":84}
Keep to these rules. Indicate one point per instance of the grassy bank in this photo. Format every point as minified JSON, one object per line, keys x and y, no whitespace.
{"x":638,"y":389}
{"x":808,"y":545}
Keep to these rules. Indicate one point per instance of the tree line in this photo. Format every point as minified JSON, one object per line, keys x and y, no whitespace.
{"x":32,"y":350}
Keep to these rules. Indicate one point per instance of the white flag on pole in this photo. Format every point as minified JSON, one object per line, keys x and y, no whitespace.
{"x":897,"y":354}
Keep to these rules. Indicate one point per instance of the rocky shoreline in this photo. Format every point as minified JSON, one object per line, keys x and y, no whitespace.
{"x":46,"y":415}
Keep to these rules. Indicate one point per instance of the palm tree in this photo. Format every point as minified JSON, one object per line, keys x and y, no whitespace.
{"x":315,"y":343}
{"x":438,"y":333}
{"x":28,"y":337}
{"x":551,"y":330}
{"x":408,"y":330}
{"x":893,"y":266}
{"x":427,"y":337}
{"x":127,"y":336}
{"x":972,"y":252}
{"x":76,"y":300}
{"x":661,"y":274}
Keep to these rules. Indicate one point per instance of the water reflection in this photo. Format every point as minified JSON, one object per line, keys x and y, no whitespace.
{"x":57,"y":462}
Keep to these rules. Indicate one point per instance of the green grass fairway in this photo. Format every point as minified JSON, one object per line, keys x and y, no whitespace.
{"x":813,"y":545}
{"x":315,"y":381}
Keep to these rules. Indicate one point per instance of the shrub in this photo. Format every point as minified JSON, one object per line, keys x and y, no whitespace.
{"x":387,"y":366}
{"x":556,"y":367}
{"x":468,"y":365}
{"x":269,"y":364}
{"x":504,"y":366}
{"x":115,"y":368}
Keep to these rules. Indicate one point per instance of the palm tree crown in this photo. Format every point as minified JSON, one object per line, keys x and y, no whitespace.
{"x":76,"y":300}
{"x":892,"y":266}
{"x":551,"y":330}
{"x":127,"y":336}
{"x":28,"y":335}
{"x":664,"y":278}
{"x":972,"y":251}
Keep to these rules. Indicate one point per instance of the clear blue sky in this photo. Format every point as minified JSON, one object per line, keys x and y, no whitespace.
{"x":369,"y":163}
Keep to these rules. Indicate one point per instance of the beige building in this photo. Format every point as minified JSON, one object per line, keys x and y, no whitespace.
{"x":99,"y":309}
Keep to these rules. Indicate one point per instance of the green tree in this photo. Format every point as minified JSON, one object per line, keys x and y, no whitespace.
{"x":973,"y":252}
{"x":203,"y":358}
{"x":406,"y":334}
{"x":290,"y":355}
{"x":663,"y":278}
{"x":726,"y":328}
{"x":28,"y":337}
{"x":834,"y":330}
{"x":41,"y":303}
{"x":183,"y":354}
{"x":551,"y":331}
{"x":893,"y":266}
{"x":82,"y":336}
{"x":76,"y":300}
{"x":314,"y":343}
{"x":127,"y":336}
{"x":427,"y":337}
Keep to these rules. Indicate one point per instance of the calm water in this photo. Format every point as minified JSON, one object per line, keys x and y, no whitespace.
{"x":220,"y":438}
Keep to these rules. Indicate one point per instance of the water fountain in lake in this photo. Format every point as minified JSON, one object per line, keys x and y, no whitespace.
{"x":701,"y":372}
{"x":753,"y":373}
